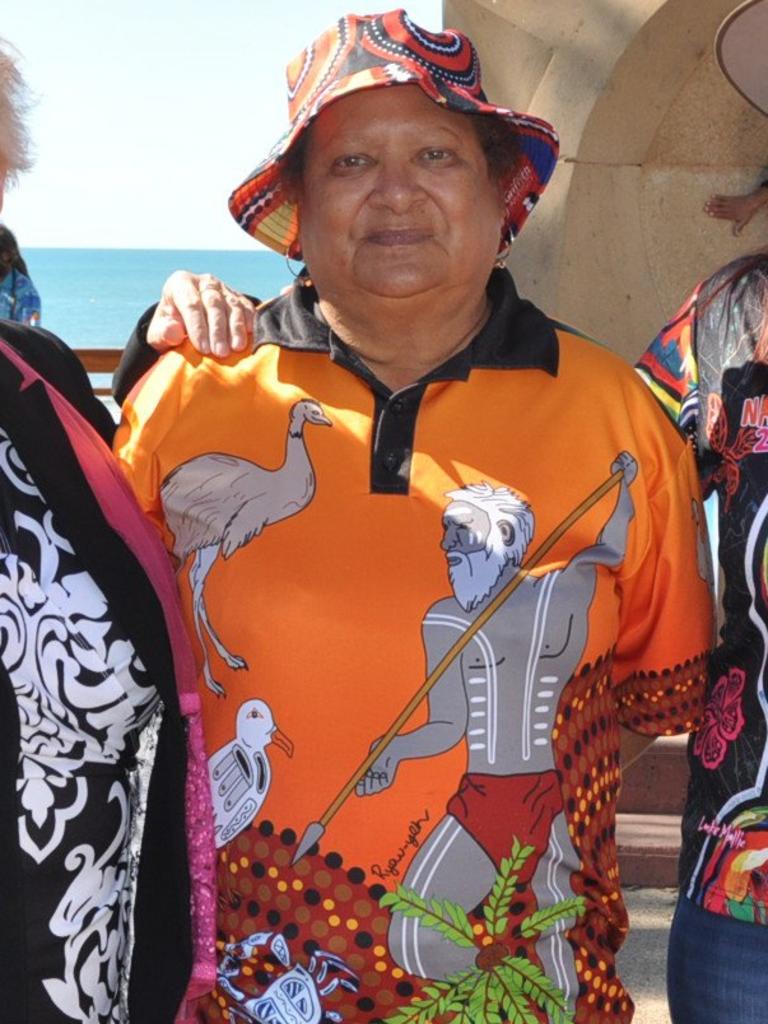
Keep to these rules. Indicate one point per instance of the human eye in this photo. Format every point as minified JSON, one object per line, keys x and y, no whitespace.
{"x":350,"y":162}
{"x":438,"y":155}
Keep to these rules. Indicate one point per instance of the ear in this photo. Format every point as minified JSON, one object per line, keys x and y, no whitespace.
{"x":294,"y":252}
{"x":507,"y":532}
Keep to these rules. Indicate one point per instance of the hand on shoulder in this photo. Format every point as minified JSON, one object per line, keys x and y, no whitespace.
{"x":217,"y":320}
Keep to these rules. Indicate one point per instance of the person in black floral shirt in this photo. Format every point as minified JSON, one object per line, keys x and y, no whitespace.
{"x":709,"y":369}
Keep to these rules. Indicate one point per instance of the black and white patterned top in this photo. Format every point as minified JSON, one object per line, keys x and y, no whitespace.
{"x":83,"y":699}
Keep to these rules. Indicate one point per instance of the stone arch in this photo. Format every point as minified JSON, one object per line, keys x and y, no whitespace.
{"x":649,"y":129}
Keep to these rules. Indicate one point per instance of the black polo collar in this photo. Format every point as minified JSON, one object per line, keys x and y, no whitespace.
{"x":517,"y":335}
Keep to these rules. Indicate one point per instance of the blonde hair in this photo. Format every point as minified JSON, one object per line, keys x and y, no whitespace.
{"x":14,"y":103}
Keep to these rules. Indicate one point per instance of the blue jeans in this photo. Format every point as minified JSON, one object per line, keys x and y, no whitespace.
{"x":717,"y":968}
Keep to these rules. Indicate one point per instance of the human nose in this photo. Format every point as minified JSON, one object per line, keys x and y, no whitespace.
{"x":396,"y":185}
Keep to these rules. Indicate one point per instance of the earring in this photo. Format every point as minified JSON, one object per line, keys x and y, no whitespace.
{"x":300,"y":276}
{"x":501,"y":257}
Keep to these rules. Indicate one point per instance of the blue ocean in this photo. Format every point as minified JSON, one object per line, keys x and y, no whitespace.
{"x":93,"y":297}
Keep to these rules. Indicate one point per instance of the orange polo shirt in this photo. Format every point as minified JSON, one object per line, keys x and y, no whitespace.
{"x":334,"y":542}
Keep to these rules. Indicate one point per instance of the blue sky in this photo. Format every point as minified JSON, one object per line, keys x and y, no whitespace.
{"x":149,"y":112}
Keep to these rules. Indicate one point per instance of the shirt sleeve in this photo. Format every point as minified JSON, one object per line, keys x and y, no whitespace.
{"x":666,"y":627}
{"x":669,"y":367}
{"x":20,"y":299}
{"x":30,"y":307}
{"x":137,"y":358}
{"x":148,"y":415}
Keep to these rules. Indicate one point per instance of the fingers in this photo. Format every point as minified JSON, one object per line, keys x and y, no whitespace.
{"x":739,"y":209}
{"x":166,"y":328}
{"x":187,"y":293}
{"x":740,"y":222}
{"x":229,"y":318}
{"x":719,"y":207}
{"x":372,"y":782}
{"x":719,"y":204}
{"x":215,"y":318}
{"x":241,"y":313}
{"x":745,"y":216}
{"x":213,"y":325}
{"x":627,"y":464}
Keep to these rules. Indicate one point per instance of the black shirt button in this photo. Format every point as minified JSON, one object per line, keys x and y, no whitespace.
{"x":392,"y":461}
{"x":397,"y":406}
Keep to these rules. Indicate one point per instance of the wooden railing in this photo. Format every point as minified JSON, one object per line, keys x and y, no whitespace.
{"x":99,"y":360}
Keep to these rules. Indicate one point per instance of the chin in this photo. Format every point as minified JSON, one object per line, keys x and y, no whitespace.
{"x":398,"y":274}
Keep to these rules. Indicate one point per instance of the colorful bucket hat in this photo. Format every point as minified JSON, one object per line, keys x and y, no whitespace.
{"x":372,"y":52}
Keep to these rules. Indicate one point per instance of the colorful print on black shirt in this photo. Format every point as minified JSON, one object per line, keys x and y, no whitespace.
{"x":708,"y":368}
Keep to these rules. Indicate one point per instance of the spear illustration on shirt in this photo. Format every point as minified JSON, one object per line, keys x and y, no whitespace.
{"x":316,"y":829}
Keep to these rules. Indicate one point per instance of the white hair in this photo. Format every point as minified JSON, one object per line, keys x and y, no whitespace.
{"x":474,"y":574}
{"x":501,"y":503}
{"x":14,"y":103}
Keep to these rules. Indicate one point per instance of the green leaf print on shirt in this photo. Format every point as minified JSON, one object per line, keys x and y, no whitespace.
{"x":501,"y":988}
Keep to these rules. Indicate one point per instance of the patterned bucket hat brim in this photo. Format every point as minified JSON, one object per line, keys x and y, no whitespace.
{"x":373,"y":52}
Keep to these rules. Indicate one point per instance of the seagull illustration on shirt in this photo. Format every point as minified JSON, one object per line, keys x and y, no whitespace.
{"x":240,"y":771}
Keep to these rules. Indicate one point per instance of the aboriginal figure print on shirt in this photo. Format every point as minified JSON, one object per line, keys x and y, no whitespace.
{"x":215,"y":504}
{"x":499,"y":697}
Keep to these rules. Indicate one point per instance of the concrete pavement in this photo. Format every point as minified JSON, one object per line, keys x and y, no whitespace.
{"x":642,"y":960}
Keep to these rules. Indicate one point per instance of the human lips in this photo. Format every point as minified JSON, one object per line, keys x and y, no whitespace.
{"x":397,"y":236}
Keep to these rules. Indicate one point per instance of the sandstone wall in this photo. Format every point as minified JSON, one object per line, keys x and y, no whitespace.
{"x":649,"y":128}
